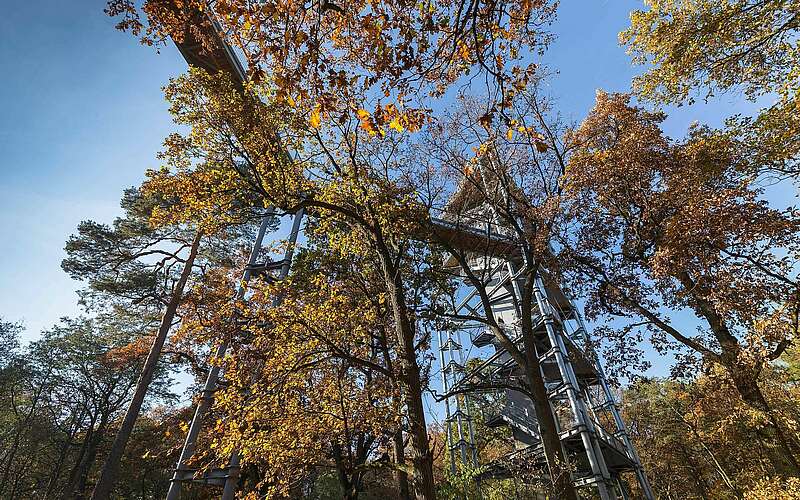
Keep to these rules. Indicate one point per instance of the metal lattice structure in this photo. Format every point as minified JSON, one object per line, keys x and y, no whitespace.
{"x":591,"y":430}
{"x":263,"y":268}
{"x":592,"y":433}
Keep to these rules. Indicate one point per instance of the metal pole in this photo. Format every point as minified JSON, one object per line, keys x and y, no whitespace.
{"x":467,"y":412}
{"x":593,"y":453}
{"x":210,"y":386}
{"x":446,"y":389}
{"x":231,"y":480}
{"x":459,"y":413}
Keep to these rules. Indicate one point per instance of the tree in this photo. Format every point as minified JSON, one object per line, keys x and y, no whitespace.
{"x":354,"y":188}
{"x":129,"y":263}
{"x":153,"y":449}
{"x":361,"y":191}
{"x":343,"y":83}
{"x":721,"y":46}
{"x":13,"y":373}
{"x":75,"y":382}
{"x":133,"y":264}
{"x":311,"y":380}
{"x":57,"y":391}
{"x":704,"y":441}
{"x":716,"y":45}
{"x":508,"y":172}
{"x":109,"y":473}
{"x":9,"y":342}
{"x":663,"y":227}
{"x":680,"y":461}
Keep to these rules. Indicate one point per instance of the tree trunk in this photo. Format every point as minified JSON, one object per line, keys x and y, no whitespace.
{"x":747,"y":386}
{"x":556,"y":462}
{"x":421,"y":457}
{"x":108,"y":475}
{"x":410,"y":382}
{"x":558,"y":468}
{"x":349,"y":486}
{"x":88,"y":459}
{"x":743,"y":374}
{"x":399,"y":459}
{"x":74,"y":474}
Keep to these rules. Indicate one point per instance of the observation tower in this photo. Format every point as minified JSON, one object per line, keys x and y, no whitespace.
{"x":478,"y":374}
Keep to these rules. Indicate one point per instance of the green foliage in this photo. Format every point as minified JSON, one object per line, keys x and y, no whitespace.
{"x":706,"y":47}
{"x":9,"y":343}
{"x":60,"y":397}
{"x":111,"y":259}
{"x":134,"y":262}
{"x":467,"y":484}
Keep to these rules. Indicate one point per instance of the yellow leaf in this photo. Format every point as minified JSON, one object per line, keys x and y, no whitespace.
{"x":290,"y":101}
{"x":395,"y":125}
{"x":510,"y":134}
{"x":315,"y":119}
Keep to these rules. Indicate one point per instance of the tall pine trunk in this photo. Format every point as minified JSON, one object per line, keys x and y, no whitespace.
{"x":108,"y":476}
{"x":86,"y":464}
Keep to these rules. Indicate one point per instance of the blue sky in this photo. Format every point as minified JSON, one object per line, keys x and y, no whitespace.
{"x":83,"y":116}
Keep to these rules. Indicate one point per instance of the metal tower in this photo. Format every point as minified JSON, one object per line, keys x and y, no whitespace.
{"x":593,"y":436}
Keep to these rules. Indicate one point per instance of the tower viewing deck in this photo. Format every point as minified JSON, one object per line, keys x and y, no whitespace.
{"x":481,"y":378}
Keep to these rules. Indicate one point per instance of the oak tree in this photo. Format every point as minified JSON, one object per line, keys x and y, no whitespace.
{"x":662,"y":228}
{"x":706,"y":48}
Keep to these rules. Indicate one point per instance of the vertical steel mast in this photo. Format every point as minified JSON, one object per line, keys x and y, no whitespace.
{"x":228,"y":476}
{"x":182,"y":472}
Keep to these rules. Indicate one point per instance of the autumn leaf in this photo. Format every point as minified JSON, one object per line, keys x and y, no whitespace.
{"x":366,"y":121}
{"x":395,"y":125}
{"x":486,"y":120}
{"x":539,"y":142}
{"x":315,"y":118}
